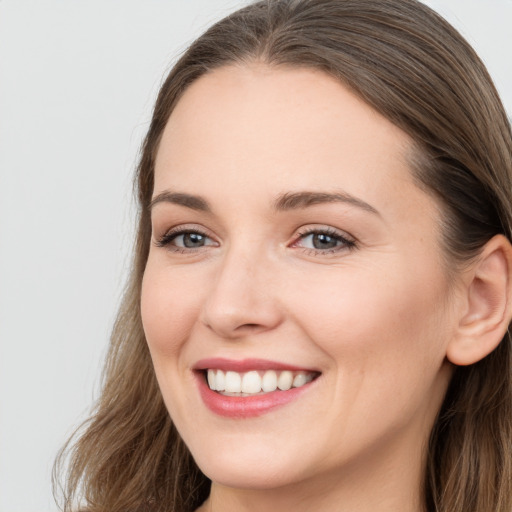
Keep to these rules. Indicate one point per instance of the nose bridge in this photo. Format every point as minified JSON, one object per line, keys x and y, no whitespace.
{"x":242,"y":298}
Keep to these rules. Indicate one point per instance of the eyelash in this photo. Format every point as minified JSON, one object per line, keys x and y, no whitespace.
{"x":167,"y":239}
{"x":346,"y":243}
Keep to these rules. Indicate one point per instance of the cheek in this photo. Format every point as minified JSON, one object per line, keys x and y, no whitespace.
{"x":169,"y":309}
{"x":384,"y":336}
{"x":382,"y":321}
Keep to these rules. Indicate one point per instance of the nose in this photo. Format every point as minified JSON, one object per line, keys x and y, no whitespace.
{"x":242,"y":299}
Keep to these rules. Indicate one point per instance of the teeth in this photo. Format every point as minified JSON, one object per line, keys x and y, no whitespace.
{"x":269,"y":381}
{"x":254,"y":382}
{"x":220,"y":380}
{"x":285,"y":381}
{"x":299,"y":380}
{"x":211,"y":380}
{"x":251,"y":383}
{"x":233,"y":382}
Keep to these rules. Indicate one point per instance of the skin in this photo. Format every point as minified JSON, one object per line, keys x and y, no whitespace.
{"x":374,"y":318}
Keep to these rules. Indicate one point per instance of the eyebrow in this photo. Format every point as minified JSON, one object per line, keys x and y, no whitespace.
{"x":296,"y":200}
{"x":283,"y":202}
{"x":187,"y":200}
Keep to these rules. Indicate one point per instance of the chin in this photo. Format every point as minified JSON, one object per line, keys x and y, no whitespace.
{"x":258,"y":469}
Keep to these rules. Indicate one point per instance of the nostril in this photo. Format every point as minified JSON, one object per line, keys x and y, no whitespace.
{"x":249,"y":329}
{"x":232,"y":314}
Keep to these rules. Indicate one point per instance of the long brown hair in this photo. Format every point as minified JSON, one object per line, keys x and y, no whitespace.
{"x":411,"y":66}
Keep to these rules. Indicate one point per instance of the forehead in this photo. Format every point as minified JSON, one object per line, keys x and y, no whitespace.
{"x":279,"y":129}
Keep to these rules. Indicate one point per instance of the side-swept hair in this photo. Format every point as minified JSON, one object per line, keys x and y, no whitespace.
{"x":410,"y":65}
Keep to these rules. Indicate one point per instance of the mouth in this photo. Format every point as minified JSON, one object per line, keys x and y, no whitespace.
{"x":256,"y":382}
{"x":252,"y":387}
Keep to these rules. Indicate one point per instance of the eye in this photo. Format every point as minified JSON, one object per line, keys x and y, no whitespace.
{"x":324,"y":240}
{"x":190,"y":240}
{"x":183,"y":240}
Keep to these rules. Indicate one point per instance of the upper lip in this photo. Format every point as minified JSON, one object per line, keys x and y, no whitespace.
{"x":245,"y":365}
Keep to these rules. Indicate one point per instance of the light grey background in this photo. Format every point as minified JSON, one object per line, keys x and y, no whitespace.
{"x":77,"y":82}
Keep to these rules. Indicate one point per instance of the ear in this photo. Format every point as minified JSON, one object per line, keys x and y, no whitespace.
{"x":487,"y":306}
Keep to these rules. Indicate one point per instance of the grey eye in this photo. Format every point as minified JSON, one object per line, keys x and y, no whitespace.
{"x":191,"y":240}
{"x":320,"y":241}
{"x":323,"y":241}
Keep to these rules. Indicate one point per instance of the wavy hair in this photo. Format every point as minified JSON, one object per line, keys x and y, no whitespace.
{"x":410,"y":65}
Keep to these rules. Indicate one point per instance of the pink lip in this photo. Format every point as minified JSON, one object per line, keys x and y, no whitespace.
{"x":245,"y":365}
{"x":244,"y":406}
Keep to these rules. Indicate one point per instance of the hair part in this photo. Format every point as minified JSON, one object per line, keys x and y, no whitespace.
{"x":411,"y":66}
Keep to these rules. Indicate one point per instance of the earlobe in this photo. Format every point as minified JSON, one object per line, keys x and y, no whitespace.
{"x":488,"y":309}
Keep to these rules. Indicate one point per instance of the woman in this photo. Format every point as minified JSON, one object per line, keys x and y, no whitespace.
{"x":318,"y":310}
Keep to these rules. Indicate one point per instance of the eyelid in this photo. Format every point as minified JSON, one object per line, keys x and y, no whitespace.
{"x":349,"y":242}
{"x":346,"y":241}
{"x":182,"y":229}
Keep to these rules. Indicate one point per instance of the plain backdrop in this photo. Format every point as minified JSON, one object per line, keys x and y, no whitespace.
{"x":77,"y":82}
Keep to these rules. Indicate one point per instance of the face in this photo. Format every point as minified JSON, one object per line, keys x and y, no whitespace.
{"x":291,"y":247}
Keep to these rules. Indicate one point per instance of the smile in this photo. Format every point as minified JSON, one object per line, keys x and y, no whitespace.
{"x":250,"y":387}
{"x":256,"y":382}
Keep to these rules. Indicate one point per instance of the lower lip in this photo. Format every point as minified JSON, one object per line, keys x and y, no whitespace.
{"x":246,"y":406}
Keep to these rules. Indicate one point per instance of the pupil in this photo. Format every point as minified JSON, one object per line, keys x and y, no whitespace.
{"x":322,"y":241}
{"x":191,"y":240}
